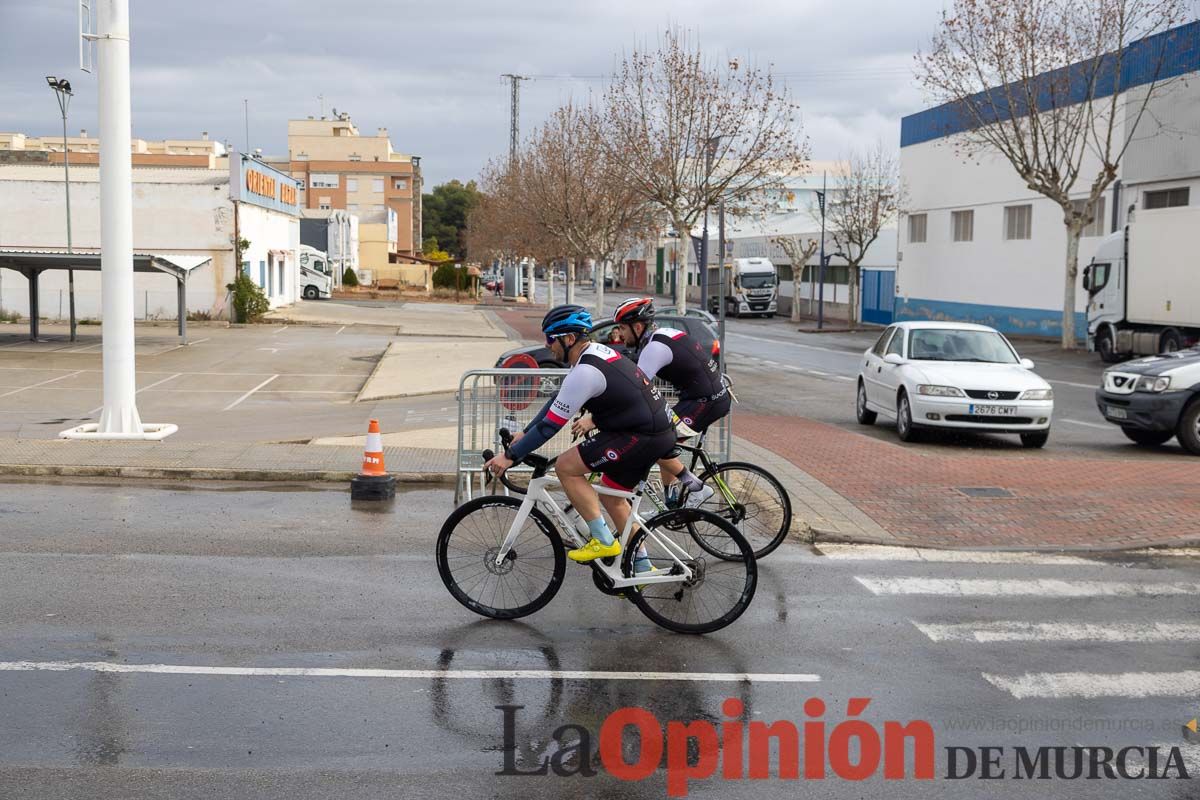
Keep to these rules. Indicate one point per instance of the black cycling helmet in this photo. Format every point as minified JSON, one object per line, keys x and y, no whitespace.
{"x":566,"y":319}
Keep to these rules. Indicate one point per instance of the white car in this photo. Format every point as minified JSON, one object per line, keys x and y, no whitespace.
{"x":953,"y":375}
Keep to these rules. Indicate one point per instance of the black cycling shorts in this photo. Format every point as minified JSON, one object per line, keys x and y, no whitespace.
{"x":625,"y":459}
{"x":699,"y":414}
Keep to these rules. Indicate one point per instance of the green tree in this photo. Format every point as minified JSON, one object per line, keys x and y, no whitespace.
{"x":444,"y":215}
{"x":349,"y":277}
{"x":249,"y":302}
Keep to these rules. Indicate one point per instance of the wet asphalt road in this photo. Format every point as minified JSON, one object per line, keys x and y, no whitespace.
{"x":242,"y":576}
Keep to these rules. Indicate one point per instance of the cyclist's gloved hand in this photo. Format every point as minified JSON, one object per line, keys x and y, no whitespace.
{"x":498,"y":464}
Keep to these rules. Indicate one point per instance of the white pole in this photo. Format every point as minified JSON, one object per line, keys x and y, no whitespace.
{"x":120,"y":415}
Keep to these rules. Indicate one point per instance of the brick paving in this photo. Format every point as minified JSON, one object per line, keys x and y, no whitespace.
{"x":914,"y":493}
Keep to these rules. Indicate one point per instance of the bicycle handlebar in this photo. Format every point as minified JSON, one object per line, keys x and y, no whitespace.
{"x":541,"y":465}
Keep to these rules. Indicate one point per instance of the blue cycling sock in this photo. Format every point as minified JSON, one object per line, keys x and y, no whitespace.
{"x":642,"y":562}
{"x":600,"y":531}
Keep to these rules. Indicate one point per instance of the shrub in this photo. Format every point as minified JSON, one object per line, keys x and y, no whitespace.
{"x":249,"y":302}
{"x":444,"y":276}
{"x":349,"y":277}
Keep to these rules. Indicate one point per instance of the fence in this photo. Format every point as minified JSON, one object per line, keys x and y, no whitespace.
{"x":490,"y":399}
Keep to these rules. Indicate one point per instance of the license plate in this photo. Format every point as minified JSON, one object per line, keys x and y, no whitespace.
{"x":1117,"y":413}
{"x":994,"y":411}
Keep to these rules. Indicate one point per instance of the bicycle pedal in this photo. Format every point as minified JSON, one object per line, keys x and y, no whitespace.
{"x":609,"y":561}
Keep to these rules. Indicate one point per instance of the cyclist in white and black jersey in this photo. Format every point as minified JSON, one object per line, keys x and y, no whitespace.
{"x":637,"y":429}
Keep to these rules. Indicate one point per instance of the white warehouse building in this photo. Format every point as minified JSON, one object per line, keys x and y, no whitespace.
{"x":977,"y":245}
{"x":186,"y":215}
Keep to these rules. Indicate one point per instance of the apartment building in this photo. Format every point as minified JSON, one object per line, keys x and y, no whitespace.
{"x":341,"y":169}
{"x":202,"y":153}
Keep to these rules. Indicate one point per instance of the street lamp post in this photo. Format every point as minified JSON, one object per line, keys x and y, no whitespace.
{"x":62,"y":90}
{"x":710,"y":148}
{"x":822,"y":261}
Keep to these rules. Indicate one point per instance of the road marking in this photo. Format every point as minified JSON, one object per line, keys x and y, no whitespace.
{"x":989,"y":632}
{"x":1090,"y":424}
{"x":870,"y":552}
{"x":281,"y":330}
{"x":1044,"y":587}
{"x":450,"y":674}
{"x":1093,"y":685}
{"x":847,"y":353}
{"x":1070,"y":383}
{"x":139,"y":391}
{"x":199,"y":341}
{"x":43,"y":383}
{"x":247,"y":394}
{"x":339,"y":330}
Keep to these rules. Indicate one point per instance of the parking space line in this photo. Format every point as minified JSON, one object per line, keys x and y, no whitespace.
{"x":281,"y":330}
{"x":1070,"y":383}
{"x":452,"y":674}
{"x":139,"y":391}
{"x":247,"y":394}
{"x":339,"y":330}
{"x":43,"y":383}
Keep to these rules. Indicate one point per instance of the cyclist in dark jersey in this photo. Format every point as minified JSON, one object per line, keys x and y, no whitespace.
{"x":636,"y":427}
{"x":679,"y":359}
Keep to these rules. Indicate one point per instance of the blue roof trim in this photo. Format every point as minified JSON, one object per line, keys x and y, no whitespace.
{"x":1164,"y":55}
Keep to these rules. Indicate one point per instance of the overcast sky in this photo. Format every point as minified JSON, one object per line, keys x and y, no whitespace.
{"x":430,"y":71}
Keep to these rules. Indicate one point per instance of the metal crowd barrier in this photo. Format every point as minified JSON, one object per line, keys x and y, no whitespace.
{"x":491,"y":399}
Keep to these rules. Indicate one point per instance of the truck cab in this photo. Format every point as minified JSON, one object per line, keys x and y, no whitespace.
{"x":753,"y":288}
{"x":316,"y":278}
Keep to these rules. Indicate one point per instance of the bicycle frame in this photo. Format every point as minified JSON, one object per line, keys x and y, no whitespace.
{"x":537,"y":495}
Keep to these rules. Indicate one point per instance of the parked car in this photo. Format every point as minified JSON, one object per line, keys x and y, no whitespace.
{"x":951,"y":375}
{"x":605,"y":331}
{"x":1155,"y":398}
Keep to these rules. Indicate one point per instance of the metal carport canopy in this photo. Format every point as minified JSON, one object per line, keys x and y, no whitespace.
{"x":32,"y":263}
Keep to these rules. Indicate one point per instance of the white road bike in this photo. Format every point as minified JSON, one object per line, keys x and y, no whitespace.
{"x":504,"y":557}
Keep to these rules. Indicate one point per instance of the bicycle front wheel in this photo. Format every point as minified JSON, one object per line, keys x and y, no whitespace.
{"x":753,"y":500}
{"x":719,"y":589}
{"x":524,"y":582}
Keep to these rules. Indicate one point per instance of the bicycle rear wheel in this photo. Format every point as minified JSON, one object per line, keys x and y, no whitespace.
{"x":756,"y":504}
{"x":720,"y":588}
{"x":524,"y":582}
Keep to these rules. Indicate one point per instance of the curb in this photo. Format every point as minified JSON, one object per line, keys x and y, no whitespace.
{"x":213,"y":474}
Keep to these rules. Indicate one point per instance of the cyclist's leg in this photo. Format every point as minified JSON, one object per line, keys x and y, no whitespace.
{"x":572,"y":473}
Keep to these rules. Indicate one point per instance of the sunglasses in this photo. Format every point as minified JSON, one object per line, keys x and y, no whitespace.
{"x":551,"y":339}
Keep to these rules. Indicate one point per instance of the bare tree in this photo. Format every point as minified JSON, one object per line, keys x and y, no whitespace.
{"x":1041,"y":83}
{"x":868,"y":199}
{"x":798,"y":253}
{"x":683,"y":132}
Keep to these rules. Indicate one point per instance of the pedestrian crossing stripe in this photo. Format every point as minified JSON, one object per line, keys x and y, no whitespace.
{"x":1091,"y":685}
{"x":1041,"y":587}
{"x":1013,"y":631}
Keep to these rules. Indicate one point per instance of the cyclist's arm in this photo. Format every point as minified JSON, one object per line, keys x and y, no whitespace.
{"x":581,"y":384}
{"x":655,"y":355}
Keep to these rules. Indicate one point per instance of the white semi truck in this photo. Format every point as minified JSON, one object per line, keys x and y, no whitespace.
{"x":316,"y":280}
{"x":751,"y":288}
{"x":1144,"y":286}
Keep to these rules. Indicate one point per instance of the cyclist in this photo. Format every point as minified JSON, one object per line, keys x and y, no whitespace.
{"x":636,"y":428}
{"x":681,"y":361}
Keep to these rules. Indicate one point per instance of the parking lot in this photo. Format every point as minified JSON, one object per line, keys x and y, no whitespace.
{"x":270,"y":382}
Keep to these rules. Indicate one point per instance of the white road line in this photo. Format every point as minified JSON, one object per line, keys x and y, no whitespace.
{"x":1090,"y":424}
{"x":1043,"y":587}
{"x":1077,"y":385}
{"x":200,"y":341}
{"x":451,"y":674}
{"x":1178,"y":552}
{"x":281,"y":330}
{"x":139,"y":391}
{"x":247,"y":394}
{"x":43,"y":383}
{"x":871,"y":552}
{"x":991,"y":632}
{"x":339,"y":330}
{"x":1093,"y":685}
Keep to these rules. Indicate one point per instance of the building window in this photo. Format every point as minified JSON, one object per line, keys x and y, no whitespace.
{"x":377,"y":185}
{"x":301,"y":183}
{"x":1097,"y":226}
{"x":1166,"y":198}
{"x":377,"y":209}
{"x":302,"y":156}
{"x":916,"y":228}
{"x":355,"y":157}
{"x":325,"y":204}
{"x":351,"y":184}
{"x":400,"y":183}
{"x":326,"y":181}
{"x":963,"y":225}
{"x":352,"y":208}
{"x":1018,"y":222}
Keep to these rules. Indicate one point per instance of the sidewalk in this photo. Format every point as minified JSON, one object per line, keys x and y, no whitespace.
{"x":935,"y":497}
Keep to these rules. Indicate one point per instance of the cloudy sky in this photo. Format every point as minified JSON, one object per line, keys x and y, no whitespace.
{"x":430,"y":71}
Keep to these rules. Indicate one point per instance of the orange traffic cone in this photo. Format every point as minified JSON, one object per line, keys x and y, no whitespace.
{"x":373,"y":452}
{"x":373,"y":483}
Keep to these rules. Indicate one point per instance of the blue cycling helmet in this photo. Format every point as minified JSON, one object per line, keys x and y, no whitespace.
{"x":566,"y":319}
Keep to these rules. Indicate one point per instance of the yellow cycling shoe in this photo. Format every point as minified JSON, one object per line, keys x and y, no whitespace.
{"x":594,"y":549}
